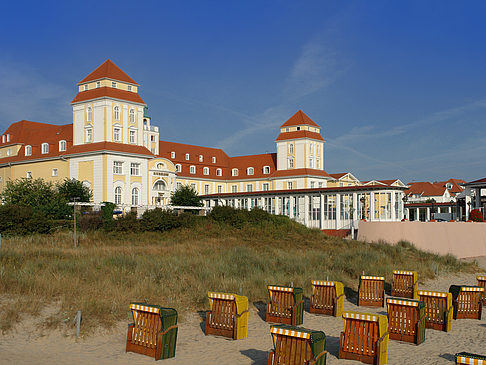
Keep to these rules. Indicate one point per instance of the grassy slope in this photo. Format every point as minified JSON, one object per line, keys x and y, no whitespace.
{"x":108,"y":271}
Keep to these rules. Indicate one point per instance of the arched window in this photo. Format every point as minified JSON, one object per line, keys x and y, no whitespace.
{"x":219,"y":172}
{"x":89,"y":114}
{"x":45,"y":148}
{"x":291,"y":148}
{"x":192,"y":169}
{"x":266,"y":169}
{"x":234,"y":172}
{"x":250,"y":171}
{"x":62,"y":146}
{"x":178,"y":167}
{"x":118,"y":195}
{"x":134,"y":196}
{"x":28,"y":150}
{"x":206,"y":171}
{"x":117,"y":112}
{"x":132,"y":116}
{"x":159,"y":185}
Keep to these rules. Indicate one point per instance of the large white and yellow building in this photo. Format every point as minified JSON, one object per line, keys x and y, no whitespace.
{"x":112,"y":147}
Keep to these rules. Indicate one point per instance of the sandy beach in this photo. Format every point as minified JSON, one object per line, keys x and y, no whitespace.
{"x":26,"y":344}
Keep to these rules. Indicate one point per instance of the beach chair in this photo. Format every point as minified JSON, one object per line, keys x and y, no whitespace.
{"x":467,"y":301}
{"x":286,"y":305}
{"x":228,"y":316}
{"x":438,"y":309}
{"x":404,"y":284}
{"x":371,"y":291}
{"x":365,"y":338}
{"x":482,"y":283}
{"x":327,"y":298}
{"x":406,"y":320}
{"x":467,"y":358}
{"x":153,"y":331}
{"x":297,"y":346}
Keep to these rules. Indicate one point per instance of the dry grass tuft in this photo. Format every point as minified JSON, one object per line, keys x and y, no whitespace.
{"x":177,"y":268}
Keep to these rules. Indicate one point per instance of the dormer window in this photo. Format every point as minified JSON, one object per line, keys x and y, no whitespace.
{"x":178,"y":167}
{"x":172,"y":155}
{"x":8,"y":137}
{"x":266,"y":169}
{"x":45,"y":148}
{"x":129,"y":87}
{"x":192,"y":169}
{"x":286,"y":129}
{"x":206,"y":171}
{"x":250,"y":171}
{"x":214,"y":159}
{"x":234,"y":172}
{"x":62,"y":146}
{"x":219,"y":172}
{"x":28,"y":150}
{"x":113,"y":84}
{"x":85,"y":87}
{"x":449,"y":186}
{"x":298,"y":128}
{"x":200,"y":158}
{"x":187,"y":156}
{"x":98,"y":84}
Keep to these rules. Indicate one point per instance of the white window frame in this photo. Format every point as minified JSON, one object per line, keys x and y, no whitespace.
{"x":116,"y":134}
{"x":178,"y":185}
{"x":220,"y":189}
{"x":131,"y":115}
{"x":113,"y":84}
{"x":207,"y":189}
{"x":135,"y":196}
{"x":28,"y":150}
{"x":172,"y":154}
{"x":86,"y":87}
{"x":289,"y":185}
{"x":214,"y":159}
{"x":219,"y":172}
{"x":250,"y":171}
{"x":266,"y":186}
{"x":206,"y":171}
{"x":187,"y":156}
{"x":116,"y":112}
{"x":234,"y":188}
{"x":118,"y":195}
{"x":62,"y":145}
{"x":201,"y":158}
{"x":54,"y":172}
{"x":45,"y":148}
{"x":249,"y":188}
{"x":134,"y":169}
{"x":234,"y":172}
{"x":266,"y":170}
{"x":89,"y":135}
{"x":89,"y":114}
{"x":192,"y":169}
{"x":291,"y":148}
{"x":129,"y":87}
{"x":118,"y":167}
{"x":132,"y":136}
{"x":178,"y":167}
{"x":291,"y":163}
{"x":28,"y":174}
{"x":98,"y":84}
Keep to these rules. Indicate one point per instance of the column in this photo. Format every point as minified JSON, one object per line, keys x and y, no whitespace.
{"x":277,"y":208}
{"x":417,"y":212}
{"x":392,"y":206}
{"x":322,"y":210}
{"x":372,"y":206}
{"x":338,"y":211}
{"x":306,"y":210}
{"x":427,"y":218}
{"x":291,"y":207}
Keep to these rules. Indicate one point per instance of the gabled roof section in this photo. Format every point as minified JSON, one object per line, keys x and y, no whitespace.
{"x":299,"y":118}
{"x":108,"y":70}
{"x":425,"y":189}
{"x":299,"y":134}
{"x":109,"y":92}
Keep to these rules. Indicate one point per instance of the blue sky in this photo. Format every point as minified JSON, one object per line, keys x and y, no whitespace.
{"x":398,"y":87}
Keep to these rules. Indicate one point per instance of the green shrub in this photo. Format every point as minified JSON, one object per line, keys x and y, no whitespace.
{"x":159,"y":220}
{"x":107,"y":216}
{"x":90,"y":222}
{"x":128,"y":223}
{"x":18,"y":220}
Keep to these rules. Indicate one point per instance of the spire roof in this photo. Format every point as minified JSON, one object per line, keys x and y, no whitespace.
{"x":110,"y":71}
{"x":299,"y":118}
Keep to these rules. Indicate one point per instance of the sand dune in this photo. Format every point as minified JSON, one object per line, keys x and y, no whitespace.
{"x":25,"y":345}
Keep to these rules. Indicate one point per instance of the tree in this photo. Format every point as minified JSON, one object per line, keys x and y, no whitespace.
{"x":186,"y":196}
{"x":72,"y":188}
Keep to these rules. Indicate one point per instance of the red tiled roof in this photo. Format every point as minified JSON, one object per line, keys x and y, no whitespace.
{"x":257,"y":162}
{"x":299,"y":118}
{"x":108,"y":146}
{"x":109,"y":92}
{"x":300,"y":172}
{"x":34,"y":134}
{"x":338,"y":176}
{"x":299,"y":134}
{"x":425,"y":189}
{"x":456,"y":188}
{"x":478,"y":181}
{"x":108,"y":70}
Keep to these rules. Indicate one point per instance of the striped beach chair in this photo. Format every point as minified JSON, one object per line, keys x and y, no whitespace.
{"x":467,"y":358}
{"x":153,"y":331}
{"x":371,"y":291}
{"x":327,"y":298}
{"x":297,"y":346}
{"x":439,"y":311}
{"x":406,"y":320}
{"x":467,"y":301}
{"x":286,"y":305}
{"x":404,"y":284}
{"x":365,"y":338}
{"x":228,"y":316}
{"x":482,"y":283}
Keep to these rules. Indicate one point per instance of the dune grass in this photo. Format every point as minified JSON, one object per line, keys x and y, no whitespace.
{"x":109,"y":270}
